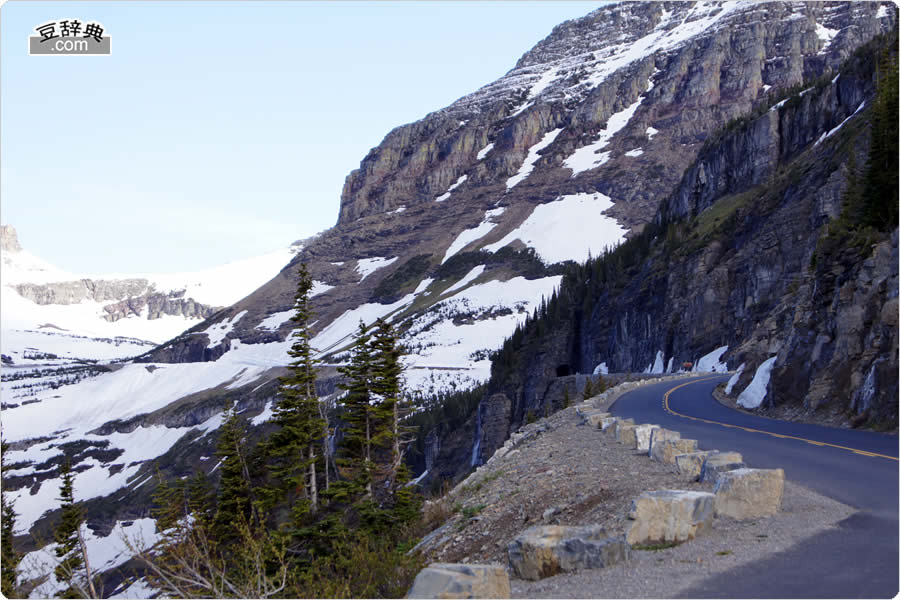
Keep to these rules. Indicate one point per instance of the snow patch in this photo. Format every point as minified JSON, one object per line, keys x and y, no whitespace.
{"x":532,"y":158}
{"x":734,"y":379}
{"x":468,"y":236}
{"x":658,"y":368}
{"x":826,"y":35}
{"x":367,"y":266}
{"x":570,"y":228}
{"x":218,"y":331}
{"x":635,"y":153}
{"x":264,"y":416}
{"x":754,"y":394}
{"x":276,"y":320}
{"x":591,"y":156}
{"x":601,"y":369}
{"x":651,"y":131}
{"x":484,"y":151}
{"x":831,"y":132}
{"x":469,"y":277}
{"x":712,"y":362}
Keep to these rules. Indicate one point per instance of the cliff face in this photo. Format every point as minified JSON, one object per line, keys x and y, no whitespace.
{"x":735,"y":259}
{"x":690,"y":66}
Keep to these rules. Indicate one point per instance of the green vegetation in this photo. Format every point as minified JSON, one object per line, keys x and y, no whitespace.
{"x":655,"y":547}
{"x":403,"y":280}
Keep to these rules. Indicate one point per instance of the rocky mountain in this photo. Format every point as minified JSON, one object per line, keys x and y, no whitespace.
{"x":457,"y":226}
{"x":130,"y":313}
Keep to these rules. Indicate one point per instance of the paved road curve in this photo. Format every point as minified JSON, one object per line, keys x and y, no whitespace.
{"x":858,"y":468}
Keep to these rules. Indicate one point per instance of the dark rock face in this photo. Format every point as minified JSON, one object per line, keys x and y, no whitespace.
{"x":495,"y":420}
{"x":737,"y":269}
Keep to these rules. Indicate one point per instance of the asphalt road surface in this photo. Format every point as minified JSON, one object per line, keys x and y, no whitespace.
{"x":859,"y":468}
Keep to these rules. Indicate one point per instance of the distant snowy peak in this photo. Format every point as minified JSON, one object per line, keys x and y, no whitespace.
{"x":151,"y":306}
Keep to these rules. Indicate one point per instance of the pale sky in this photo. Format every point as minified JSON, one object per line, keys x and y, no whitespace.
{"x":221,"y":130}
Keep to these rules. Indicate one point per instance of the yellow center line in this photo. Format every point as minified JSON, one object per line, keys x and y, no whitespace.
{"x":752,"y":430}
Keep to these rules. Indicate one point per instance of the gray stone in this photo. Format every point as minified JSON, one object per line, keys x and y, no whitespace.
{"x":721,"y":462}
{"x":691,"y":463}
{"x":606,"y":423}
{"x":749,"y":493}
{"x":613,"y":428}
{"x":452,"y":580}
{"x":669,"y":516}
{"x":659,"y":434}
{"x":642,"y":435}
{"x":666,"y":450}
{"x":625,"y":435}
{"x":544,"y":551}
{"x":595,"y":419}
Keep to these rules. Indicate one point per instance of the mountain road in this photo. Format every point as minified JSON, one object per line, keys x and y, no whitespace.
{"x":859,"y":558}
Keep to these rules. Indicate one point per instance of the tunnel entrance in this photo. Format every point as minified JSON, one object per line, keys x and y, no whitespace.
{"x":563,"y":370}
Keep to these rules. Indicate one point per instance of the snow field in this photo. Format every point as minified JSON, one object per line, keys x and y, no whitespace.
{"x":367,"y":266}
{"x":466,"y":280}
{"x":276,"y":320}
{"x":104,"y":553}
{"x":572,"y":227}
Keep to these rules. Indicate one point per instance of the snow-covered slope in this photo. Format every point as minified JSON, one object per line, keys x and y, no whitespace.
{"x":39,"y":298}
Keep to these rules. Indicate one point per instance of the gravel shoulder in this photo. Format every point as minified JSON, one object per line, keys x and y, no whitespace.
{"x":568,"y":473}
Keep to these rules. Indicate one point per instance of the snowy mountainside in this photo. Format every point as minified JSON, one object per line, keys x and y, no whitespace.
{"x":454,"y":228}
{"x":40,"y":298}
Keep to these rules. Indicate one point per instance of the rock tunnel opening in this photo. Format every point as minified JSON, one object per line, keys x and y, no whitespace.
{"x":563,"y":370}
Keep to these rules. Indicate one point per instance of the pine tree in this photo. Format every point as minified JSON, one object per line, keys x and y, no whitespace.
{"x":293,"y":461}
{"x":356,"y":461}
{"x":70,"y":549}
{"x":234,"y":498}
{"x":588,"y":389}
{"x":390,"y":436}
{"x":8,"y":554}
{"x":881,"y":185}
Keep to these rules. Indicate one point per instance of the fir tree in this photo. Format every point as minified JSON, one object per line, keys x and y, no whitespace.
{"x":394,"y":497}
{"x":588,"y":389}
{"x":356,"y":446}
{"x":70,"y":549}
{"x":881,"y":185}
{"x":234,"y":500}
{"x":8,"y":554}
{"x":293,"y":461}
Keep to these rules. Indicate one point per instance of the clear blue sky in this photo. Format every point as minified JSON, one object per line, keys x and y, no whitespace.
{"x":220,"y":130}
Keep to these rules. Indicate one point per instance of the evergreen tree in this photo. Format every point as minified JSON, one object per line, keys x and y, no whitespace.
{"x":356,"y":460}
{"x":391,"y":437}
{"x":588,"y":389}
{"x":8,"y":554}
{"x":234,"y":498}
{"x":293,"y":461}
{"x":881,"y":185}
{"x":70,"y":550}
